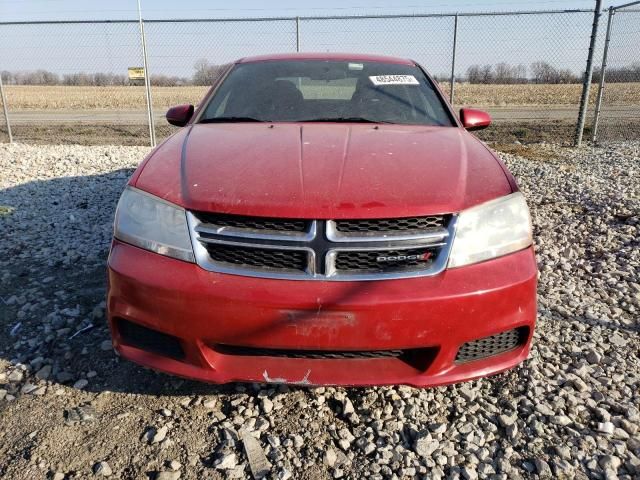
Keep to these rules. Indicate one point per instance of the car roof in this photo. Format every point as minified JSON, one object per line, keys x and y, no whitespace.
{"x":359,"y":57}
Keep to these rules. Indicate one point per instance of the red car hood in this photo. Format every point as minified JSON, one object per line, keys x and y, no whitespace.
{"x":323,"y":170}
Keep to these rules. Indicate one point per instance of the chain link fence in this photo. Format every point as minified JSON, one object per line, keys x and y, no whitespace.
{"x":533,"y":91}
{"x":426,"y":39}
{"x":49,"y":71}
{"x":618,"y":111}
{"x":67,"y":81}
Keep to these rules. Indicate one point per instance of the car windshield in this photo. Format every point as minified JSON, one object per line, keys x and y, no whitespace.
{"x":327,"y":91}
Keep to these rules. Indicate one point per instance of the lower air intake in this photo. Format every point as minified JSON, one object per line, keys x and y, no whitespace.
{"x":493,"y":345}
{"x":149,"y":340}
{"x":311,"y":354}
{"x":418,"y":358}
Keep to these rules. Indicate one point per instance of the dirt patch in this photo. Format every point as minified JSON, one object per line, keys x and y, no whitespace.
{"x":69,"y":134}
{"x":530,"y":151}
{"x":113,"y":134}
{"x":558,"y":132}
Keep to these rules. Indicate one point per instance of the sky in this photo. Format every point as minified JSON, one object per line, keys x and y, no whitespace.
{"x":17,"y":10}
{"x":173,"y":48}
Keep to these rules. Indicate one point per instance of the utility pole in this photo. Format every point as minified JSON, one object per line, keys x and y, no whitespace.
{"x":452,"y":80}
{"x":5,"y":109}
{"x":147,"y":80}
{"x":584,"y":100}
{"x":603,"y":69}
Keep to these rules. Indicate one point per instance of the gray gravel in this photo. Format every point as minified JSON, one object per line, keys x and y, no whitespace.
{"x":69,"y":408}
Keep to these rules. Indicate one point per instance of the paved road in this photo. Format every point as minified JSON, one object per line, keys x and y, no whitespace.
{"x":137,"y":117}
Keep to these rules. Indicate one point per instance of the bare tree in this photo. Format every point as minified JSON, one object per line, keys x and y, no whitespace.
{"x":510,"y":74}
{"x":566,"y":76}
{"x":542,"y":72}
{"x":101,"y":79}
{"x":97,"y":79}
{"x":486,"y":74}
{"x":519,"y":73}
{"x":503,"y":73}
{"x":630,"y":73}
{"x":167,"y":81}
{"x":480,"y":74}
{"x":205,"y":73}
{"x":473,"y":74}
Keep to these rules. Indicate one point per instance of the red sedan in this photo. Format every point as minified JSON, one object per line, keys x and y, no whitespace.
{"x":323,"y":219}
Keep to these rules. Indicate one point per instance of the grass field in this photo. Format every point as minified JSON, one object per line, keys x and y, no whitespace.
{"x":534,"y":95}
{"x":131,"y":98}
{"x":541,"y":99}
{"x":27,"y":97}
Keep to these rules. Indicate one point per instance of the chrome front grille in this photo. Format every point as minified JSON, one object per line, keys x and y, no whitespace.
{"x":267,"y":258}
{"x":321,"y":249}
{"x":254,"y":223}
{"x":386,"y":225}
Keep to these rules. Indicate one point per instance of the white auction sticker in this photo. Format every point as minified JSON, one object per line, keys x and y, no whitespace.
{"x":394,"y":80}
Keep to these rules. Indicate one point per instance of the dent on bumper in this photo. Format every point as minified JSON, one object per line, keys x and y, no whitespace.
{"x":204,"y":309}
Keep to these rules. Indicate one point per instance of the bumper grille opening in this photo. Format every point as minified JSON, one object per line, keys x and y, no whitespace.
{"x":385,"y":260}
{"x":418,"y":358}
{"x":149,"y":340}
{"x":493,"y":345}
{"x":254,"y":223}
{"x":266,"y":258}
{"x":402,"y":225}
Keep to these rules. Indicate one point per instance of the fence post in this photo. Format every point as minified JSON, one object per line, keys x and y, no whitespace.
{"x":147,"y":80}
{"x":603,"y":69}
{"x":584,"y":100}
{"x":297,"y":34}
{"x":452,"y":80}
{"x":5,"y":109}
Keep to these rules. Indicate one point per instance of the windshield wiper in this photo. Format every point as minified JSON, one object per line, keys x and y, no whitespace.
{"x":231,"y":120}
{"x":344,"y":120}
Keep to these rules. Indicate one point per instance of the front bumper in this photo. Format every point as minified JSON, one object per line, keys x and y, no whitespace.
{"x":208,"y":312}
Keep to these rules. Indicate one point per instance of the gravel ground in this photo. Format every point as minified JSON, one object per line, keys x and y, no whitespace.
{"x":69,"y":408}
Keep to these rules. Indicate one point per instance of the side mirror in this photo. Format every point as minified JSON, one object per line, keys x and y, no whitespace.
{"x":179,"y":115}
{"x":474,"y":119}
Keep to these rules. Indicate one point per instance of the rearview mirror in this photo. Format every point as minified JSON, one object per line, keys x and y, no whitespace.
{"x":179,"y":115}
{"x":474,"y":119}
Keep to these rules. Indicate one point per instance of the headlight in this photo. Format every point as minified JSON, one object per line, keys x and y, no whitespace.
{"x":491,"y":230}
{"x":151,"y":223}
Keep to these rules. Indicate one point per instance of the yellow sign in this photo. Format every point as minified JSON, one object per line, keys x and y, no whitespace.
{"x":136,"y":73}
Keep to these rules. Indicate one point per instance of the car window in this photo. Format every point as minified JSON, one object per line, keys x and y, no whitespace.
{"x":340,"y":89}
{"x":318,"y":90}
